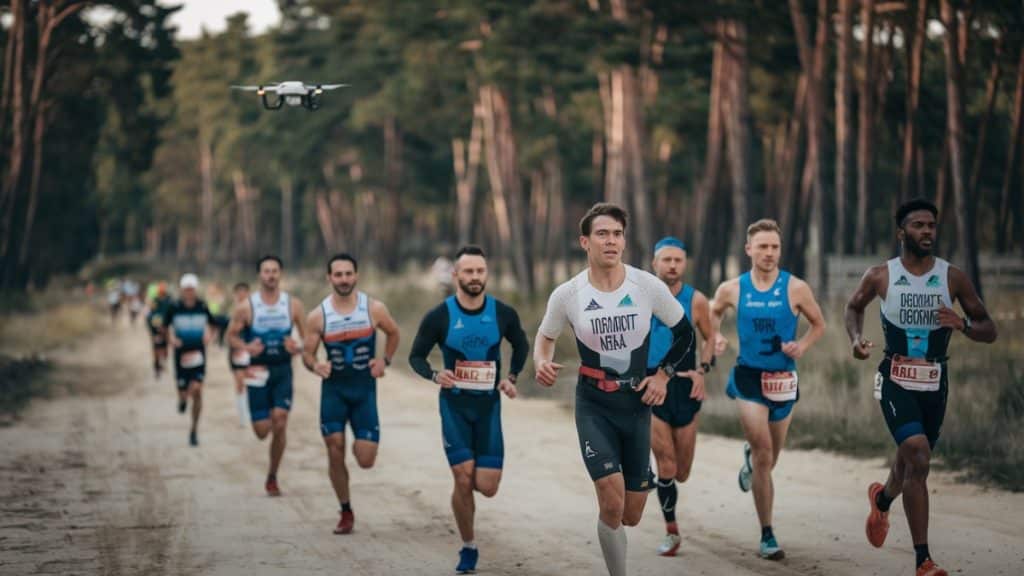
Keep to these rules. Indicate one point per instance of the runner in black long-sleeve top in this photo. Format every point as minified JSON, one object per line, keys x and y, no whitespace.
{"x":469,"y":327}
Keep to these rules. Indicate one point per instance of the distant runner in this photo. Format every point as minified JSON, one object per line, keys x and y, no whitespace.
{"x":187,"y":322}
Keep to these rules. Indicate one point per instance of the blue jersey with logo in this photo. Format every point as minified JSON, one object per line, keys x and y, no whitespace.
{"x":350,"y":339}
{"x":271,"y":323}
{"x":764,"y":320}
{"x":189,"y":324}
{"x":661,"y":335}
{"x":473,"y":337}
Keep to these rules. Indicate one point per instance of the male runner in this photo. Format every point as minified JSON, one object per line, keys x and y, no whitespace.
{"x":768,"y":304}
{"x":347,"y":322}
{"x":917,"y":290}
{"x":238,"y":358}
{"x":674,"y":423}
{"x":269,"y":319}
{"x":187,"y":320}
{"x":158,"y":305}
{"x":609,"y":307}
{"x":468,"y":328}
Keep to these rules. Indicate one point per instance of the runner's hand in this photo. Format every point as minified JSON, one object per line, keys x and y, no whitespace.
{"x":697,"y":392}
{"x":862,"y":348}
{"x":176,"y":342}
{"x":255,"y":347}
{"x":793,"y":349}
{"x":547,"y":372}
{"x":322,"y":369}
{"x":721,"y":344}
{"x":655,"y":388}
{"x":948,"y":318}
{"x":446,"y":379}
{"x":292,"y":346}
{"x":508,"y":388}
{"x":377,"y":367}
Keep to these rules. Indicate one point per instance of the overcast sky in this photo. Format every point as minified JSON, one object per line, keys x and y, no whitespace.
{"x":211,"y":14}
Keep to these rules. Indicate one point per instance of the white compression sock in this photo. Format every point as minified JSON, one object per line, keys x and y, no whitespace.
{"x":242,"y":404}
{"x":613,"y":546}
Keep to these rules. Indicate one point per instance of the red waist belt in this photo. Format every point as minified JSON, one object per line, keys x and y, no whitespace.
{"x":599,"y":378}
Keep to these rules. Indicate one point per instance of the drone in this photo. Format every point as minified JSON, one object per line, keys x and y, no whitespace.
{"x":290,"y":93}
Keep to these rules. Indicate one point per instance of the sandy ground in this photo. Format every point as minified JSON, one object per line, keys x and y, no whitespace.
{"x":102,"y":481}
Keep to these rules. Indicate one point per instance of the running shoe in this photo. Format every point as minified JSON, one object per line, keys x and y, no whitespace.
{"x":345,"y":523}
{"x":193,"y":439}
{"x":746,"y":477}
{"x":877,"y":525}
{"x":272,"y":488}
{"x":930,"y":569}
{"x":467,"y":561}
{"x":670,"y":545}
{"x":770,"y":549}
{"x":181,"y":406}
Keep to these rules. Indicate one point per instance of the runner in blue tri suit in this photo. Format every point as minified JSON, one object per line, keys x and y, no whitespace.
{"x":768,"y":302}
{"x":917,"y":290}
{"x":187,"y":321}
{"x":468,"y":328}
{"x":264,"y":329}
{"x":347,"y":322}
{"x":674,"y":423}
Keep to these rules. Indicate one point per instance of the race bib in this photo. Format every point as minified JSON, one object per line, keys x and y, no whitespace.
{"x":256,"y":376}
{"x":915,"y":373}
{"x":240,"y":358}
{"x":779,"y":386}
{"x":479,"y":375}
{"x":878,"y":386}
{"x":192,"y":359}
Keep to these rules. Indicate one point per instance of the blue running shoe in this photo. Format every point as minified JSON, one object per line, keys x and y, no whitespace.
{"x":770,"y":549}
{"x":467,"y":561}
{"x":747,"y":471}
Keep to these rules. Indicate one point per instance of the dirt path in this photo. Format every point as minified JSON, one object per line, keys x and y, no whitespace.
{"x":103,"y":482}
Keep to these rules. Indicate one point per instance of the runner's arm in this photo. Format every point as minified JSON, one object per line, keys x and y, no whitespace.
{"x":386,"y":323}
{"x":666,"y":308}
{"x":725,"y":297}
{"x":702,"y":319}
{"x":555,"y":320}
{"x":430,"y":332}
{"x":299,"y":318}
{"x":513,"y":331}
{"x":808,"y":306}
{"x":853,"y":316}
{"x":239,"y":320}
{"x":983,"y":328}
{"x":310,"y":343}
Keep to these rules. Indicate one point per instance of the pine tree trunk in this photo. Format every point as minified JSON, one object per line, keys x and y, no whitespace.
{"x":915,"y":57}
{"x":844,"y":121}
{"x":736,"y":112}
{"x":707,"y":189}
{"x":865,"y":126}
{"x":967,"y":246}
{"x":1005,"y":206}
{"x":467,"y":169}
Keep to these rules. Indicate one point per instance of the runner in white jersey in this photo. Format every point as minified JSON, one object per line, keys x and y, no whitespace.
{"x":267,"y":325}
{"x":346,"y":322}
{"x":917,"y":291}
{"x":609,"y":308}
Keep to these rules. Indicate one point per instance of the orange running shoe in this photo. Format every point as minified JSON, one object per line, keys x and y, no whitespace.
{"x":877,"y":525}
{"x":930,"y":569}
{"x":272,"y":488}
{"x":345,"y":523}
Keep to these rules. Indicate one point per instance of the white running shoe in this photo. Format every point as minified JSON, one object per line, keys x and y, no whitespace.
{"x":670,"y":545}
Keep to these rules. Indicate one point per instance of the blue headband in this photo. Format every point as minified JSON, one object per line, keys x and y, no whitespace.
{"x":669,"y":241}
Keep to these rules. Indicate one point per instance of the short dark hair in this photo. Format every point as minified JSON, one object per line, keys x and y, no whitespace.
{"x":471,"y":250}
{"x":240,"y":286}
{"x":913,"y":205}
{"x":269,"y":258}
{"x":343,"y":257}
{"x":763,"y":225}
{"x":603,"y":209}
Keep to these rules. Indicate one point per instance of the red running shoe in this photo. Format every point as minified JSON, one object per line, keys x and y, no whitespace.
{"x":345,"y":523}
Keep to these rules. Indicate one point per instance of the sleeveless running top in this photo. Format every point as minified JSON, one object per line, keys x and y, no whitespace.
{"x":271,"y":323}
{"x":910,"y":311}
{"x":764,"y":320}
{"x":350,"y":339}
{"x":472,"y":336}
{"x":661,"y":335}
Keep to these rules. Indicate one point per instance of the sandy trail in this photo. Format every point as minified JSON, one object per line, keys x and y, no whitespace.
{"x":102,"y":481}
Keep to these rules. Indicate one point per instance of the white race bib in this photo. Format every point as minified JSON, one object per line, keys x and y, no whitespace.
{"x":915,"y":373}
{"x":192,"y":359}
{"x":779,"y":386}
{"x":478,"y":375}
{"x":256,"y":376}
{"x":240,"y":358}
